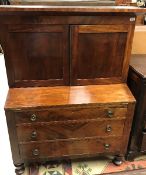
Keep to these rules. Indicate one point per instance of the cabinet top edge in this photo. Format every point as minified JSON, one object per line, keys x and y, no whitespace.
{"x":54,"y":8}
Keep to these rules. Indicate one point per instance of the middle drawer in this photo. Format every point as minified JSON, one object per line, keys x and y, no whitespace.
{"x":69,"y":129}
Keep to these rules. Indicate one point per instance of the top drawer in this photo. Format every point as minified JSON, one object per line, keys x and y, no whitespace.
{"x":70,"y":113}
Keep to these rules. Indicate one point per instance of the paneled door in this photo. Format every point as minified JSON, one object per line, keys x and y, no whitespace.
{"x":37,"y":55}
{"x":100,"y":53}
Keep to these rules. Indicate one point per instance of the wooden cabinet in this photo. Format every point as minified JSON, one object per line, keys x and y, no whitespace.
{"x":137,"y":85}
{"x":49,"y":52}
{"x":58,"y":123}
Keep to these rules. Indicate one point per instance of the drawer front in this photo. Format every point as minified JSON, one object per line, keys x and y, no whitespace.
{"x":70,"y":148}
{"x":63,"y":114}
{"x":143,"y":145}
{"x":69,"y":129}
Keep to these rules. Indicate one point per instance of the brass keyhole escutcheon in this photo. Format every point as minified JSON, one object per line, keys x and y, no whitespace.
{"x":33,"y":117}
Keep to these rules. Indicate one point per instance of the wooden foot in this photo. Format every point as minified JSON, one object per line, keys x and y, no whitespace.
{"x":19,"y":169}
{"x":130,"y":156}
{"x":118,"y":160}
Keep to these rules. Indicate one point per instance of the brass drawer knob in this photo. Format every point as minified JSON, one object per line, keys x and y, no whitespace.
{"x":33,"y":117}
{"x":106,"y":146}
{"x":33,"y":134}
{"x":35,"y":152}
{"x":110,"y":113}
{"x":108,"y":128}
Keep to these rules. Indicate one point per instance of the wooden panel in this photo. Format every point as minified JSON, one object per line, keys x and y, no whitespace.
{"x":127,"y":127}
{"x":69,"y":129}
{"x":41,"y":97}
{"x":72,"y":113}
{"x":143,"y":145}
{"x":13,"y":137}
{"x":102,"y":29}
{"x":42,"y":18}
{"x":106,"y":48}
{"x":70,"y":148}
{"x":38,"y":55}
{"x":136,"y":83}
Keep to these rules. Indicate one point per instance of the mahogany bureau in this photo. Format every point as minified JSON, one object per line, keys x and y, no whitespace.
{"x":47,"y":123}
{"x":137,"y":85}
{"x":67,"y":69}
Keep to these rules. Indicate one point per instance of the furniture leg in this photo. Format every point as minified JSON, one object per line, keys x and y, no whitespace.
{"x":19,"y":169}
{"x":118,"y":160}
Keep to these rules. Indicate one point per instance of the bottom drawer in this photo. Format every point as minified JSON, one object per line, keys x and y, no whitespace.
{"x":70,"y":147}
{"x":143,"y":144}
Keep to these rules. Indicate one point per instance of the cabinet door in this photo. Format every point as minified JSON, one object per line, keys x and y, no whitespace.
{"x":37,"y":55}
{"x":100,"y":53}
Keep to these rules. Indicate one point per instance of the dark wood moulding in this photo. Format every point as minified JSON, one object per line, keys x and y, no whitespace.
{"x":76,"y":8}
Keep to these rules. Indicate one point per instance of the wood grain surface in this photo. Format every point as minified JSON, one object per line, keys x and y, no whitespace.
{"x":69,"y":129}
{"x":70,"y":147}
{"x":72,"y":113}
{"x":65,"y":95}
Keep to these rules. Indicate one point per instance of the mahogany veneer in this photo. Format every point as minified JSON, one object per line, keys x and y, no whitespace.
{"x":66,"y":46}
{"x":53,"y":45}
{"x":39,"y":131}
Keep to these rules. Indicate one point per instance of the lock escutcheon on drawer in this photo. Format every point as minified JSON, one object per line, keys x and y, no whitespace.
{"x":33,"y":117}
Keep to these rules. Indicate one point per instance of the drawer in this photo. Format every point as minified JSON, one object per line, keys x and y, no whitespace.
{"x":69,"y":129}
{"x":143,"y":144}
{"x":70,"y":148}
{"x":70,"y":113}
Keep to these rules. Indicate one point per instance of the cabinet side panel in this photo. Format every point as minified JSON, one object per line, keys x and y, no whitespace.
{"x":127,"y":128}
{"x":13,"y":137}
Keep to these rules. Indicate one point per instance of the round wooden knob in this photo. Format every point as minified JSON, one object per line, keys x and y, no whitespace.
{"x":110,"y":113}
{"x":108,"y":128}
{"x":35,"y":152}
{"x":106,"y":146}
{"x":33,"y":134}
{"x":33,"y":117}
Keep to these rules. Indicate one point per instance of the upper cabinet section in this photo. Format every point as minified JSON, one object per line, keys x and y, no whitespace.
{"x":59,"y":46}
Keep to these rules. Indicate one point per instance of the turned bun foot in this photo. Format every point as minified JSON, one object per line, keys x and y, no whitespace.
{"x":19,"y":169}
{"x":118,"y":160}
